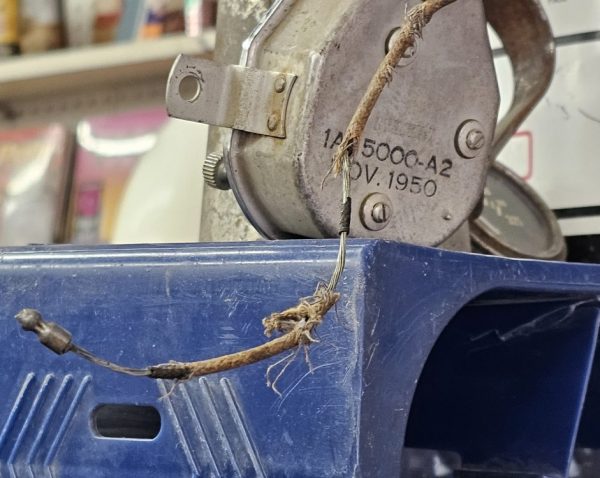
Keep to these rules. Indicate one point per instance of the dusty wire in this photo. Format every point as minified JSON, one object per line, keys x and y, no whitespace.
{"x":344,"y":225}
{"x":86,"y":354}
{"x":416,"y":19}
{"x":297,"y":323}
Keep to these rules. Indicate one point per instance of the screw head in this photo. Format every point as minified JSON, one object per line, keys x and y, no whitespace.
{"x":214,"y":172}
{"x":470,"y":139}
{"x":380,"y":213}
{"x":273,"y":122}
{"x":376,"y":212}
{"x":409,"y":55}
{"x":280,"y":84}
{"x":475,"y":139}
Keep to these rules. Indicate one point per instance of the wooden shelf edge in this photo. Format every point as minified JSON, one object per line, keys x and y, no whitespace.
{"x":51,"y":72}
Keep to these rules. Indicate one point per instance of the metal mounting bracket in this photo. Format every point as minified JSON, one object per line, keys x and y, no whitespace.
{"x":230,"y":96}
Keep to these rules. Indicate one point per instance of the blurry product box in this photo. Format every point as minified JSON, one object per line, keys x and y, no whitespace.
{"x":108,"y":150}
{"x":34,"y":183}
{"x":163,"y":17}
{"x":132,"y":19}
{"x":41,"y":25}
{"x":91,"y":21}
{"x":9,"y":27}
{"x":199,"y":14}
{"x":106,"y":21}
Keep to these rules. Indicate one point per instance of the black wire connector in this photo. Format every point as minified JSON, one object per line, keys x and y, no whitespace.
{"x":60,"y":341}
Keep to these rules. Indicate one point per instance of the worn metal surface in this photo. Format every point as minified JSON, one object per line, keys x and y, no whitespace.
{"x":528,"y":40}
{"x":213,"y":171}
{"x":277,"y":183}
{"x":527,"y":37}
{"x":230,"y":96}
{"x":407,"y":151}
{"x":222,"y":217}
{"x":515,"y":221}
{"x":376,"y":212}
{"x":470,"y":139}
{"x":460,"y":240}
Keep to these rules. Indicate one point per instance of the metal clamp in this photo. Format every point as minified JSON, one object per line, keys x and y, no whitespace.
{"x":230,"y":96}
{"x":527,"y":37}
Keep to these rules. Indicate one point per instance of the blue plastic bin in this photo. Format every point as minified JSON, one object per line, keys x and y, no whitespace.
{"x":485,"y":358}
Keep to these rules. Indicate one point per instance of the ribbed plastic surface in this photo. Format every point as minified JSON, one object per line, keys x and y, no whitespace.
{"x":504,"y":386}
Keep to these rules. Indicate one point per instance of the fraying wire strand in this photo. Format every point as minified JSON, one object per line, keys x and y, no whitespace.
{"x":307,"y":315}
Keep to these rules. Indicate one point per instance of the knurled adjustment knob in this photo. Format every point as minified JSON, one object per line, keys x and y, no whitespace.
{"x":214,"y":171}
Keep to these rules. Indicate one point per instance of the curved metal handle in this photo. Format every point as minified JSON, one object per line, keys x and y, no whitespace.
{"x":525,"y":31}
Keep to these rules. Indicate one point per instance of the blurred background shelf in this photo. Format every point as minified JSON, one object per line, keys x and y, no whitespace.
{"x":64,"y":84}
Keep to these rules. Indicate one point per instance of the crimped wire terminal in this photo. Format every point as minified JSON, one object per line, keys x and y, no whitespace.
{"x":50,"y":334}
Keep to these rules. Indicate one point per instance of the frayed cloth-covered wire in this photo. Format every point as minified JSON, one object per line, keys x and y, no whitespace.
{"x":298,"y":323}
{"x":415,"y":21}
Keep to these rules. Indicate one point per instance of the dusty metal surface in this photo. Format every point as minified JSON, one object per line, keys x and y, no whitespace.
{"x":408,"y":151}
{"x":427,"y":146}
{"x":222,"y":218}
{"x":230,"y":96}
{"x":528,"y":40}
{"x":515,"y":221}
{"x":213,"y":171}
